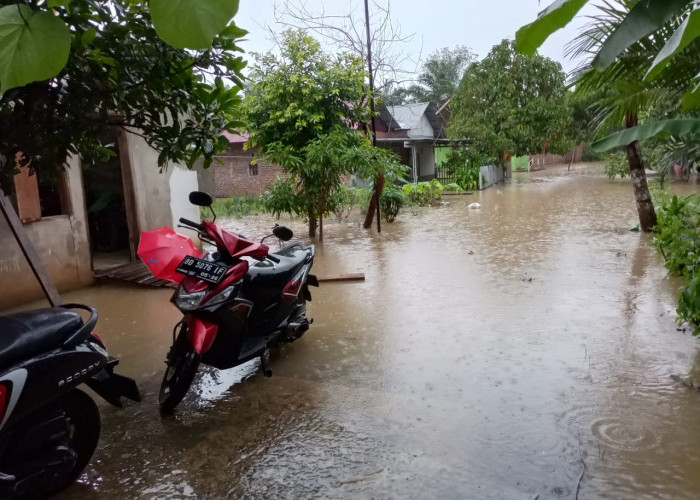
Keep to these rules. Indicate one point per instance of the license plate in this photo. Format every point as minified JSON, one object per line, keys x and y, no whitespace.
{"x":207,"y":271}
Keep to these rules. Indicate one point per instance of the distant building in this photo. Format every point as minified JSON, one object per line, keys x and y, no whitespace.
{"x":234,"y":172}
{"x":416,"y":133}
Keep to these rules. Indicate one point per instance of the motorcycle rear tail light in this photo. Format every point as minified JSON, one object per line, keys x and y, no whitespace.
{"x":292,"y":288}
{"x":4,"y":399}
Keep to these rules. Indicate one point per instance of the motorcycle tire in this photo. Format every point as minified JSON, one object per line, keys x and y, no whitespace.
{"x":182,"y":363}
{"x":82,"y":421}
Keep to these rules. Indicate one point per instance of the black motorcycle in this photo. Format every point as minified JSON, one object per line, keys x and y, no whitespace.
{"x":48,"y":428}
{"x":234,"y":311}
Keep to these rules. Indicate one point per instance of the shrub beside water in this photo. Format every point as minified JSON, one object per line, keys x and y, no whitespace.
{"x":234,"y":206}
{"x":677,"y":237}
{"x":423,"y":193}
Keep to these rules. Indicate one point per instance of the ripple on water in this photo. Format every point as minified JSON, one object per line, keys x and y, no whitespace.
{"x":627,"y":435}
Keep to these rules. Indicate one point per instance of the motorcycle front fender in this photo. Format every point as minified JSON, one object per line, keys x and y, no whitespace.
{"x":202,"y":333}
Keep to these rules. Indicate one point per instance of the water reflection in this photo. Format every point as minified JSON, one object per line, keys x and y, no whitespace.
{"x":489,"y":353}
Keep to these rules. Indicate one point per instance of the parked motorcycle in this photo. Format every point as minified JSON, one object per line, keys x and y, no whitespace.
{"x":238,"y":300}
{"x":48,"y":428}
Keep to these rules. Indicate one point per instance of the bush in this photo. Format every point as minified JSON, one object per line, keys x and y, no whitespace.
{"x":464,"y":166}
{"x":423,"y":193}
{"x":453,"y":187}
{"x":678,"y":240}
{"x":617,"y":165}
{"x":391,"y":202}
{"x":280,"y":198}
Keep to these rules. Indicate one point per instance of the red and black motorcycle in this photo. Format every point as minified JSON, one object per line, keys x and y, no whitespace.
{"x":237,"y":300}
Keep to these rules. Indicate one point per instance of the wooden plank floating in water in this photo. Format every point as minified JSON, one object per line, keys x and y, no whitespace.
{"x":138,"y":273}
{"x":343,"y":277}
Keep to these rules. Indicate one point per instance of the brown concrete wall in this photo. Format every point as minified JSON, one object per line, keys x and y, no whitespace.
{"x":235,"y":176}
{"x":62,"y":244}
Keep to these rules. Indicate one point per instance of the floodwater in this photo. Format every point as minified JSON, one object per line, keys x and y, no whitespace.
{"x":520,"y":351}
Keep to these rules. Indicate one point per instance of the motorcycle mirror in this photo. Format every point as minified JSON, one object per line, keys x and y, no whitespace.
{"x":283,"y":233}
{"x":201,"y":199}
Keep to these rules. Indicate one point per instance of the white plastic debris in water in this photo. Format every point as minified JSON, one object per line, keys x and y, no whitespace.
{"x":474,"y":205}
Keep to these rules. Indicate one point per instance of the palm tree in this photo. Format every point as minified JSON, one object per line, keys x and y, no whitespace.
{"x":627,"y":95}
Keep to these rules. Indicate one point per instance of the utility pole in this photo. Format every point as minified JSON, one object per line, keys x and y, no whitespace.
{"x":379,"y":181}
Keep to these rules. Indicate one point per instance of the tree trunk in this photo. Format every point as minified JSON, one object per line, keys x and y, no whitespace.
{"x":320,"y":227}
{"x":645,"y":207}
{"x":313,"y":223}
{"x":377,"y":193}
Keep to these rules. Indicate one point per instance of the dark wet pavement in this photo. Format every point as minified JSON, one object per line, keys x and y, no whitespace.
{"x":520,"y":351}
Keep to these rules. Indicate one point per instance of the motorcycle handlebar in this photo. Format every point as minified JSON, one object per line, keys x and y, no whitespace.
{"x":194,"y":225}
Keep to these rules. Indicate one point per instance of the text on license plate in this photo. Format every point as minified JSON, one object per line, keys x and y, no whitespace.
{"x":207,"y":271}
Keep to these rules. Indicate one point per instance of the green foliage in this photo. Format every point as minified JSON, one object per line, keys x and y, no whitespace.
{"x":33,"y":46}
{"x":191,"y":25}
{"x":512,"y":104}
{"x":280,"y":198}
{"x":423,"y":193}
{"x":464,"y":165}
{"x":555,"y":16}
{"x":678,"y":127}
{"x":391,"y":202}
{"x":616,"y":164}
{"x":453,"y":187}
{"x":120,"y":73}
{"x":295,"y":97}
{"x":235,"y":206}
{"x":35,"y":36}
{"x":678,"y":239}
{"x":299,"y":107}
{"x":344,"y":200}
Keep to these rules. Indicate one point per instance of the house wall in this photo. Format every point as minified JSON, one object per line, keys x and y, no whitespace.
{"x":234,"y":176}
{"x":61,"y":242}
{"x":426,"y":159}
{"x":182,"y":182}
{"x":151,"y":187}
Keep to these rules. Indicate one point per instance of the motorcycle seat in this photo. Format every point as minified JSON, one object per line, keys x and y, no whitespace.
{"x":266,"y":278}
{"x":26,"y":334}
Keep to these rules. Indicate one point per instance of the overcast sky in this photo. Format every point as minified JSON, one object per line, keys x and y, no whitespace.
{"x":477,"y":24}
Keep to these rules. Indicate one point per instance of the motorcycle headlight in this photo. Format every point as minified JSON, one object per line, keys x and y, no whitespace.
{"x":189,"y":301}
{"x":220,"y":297}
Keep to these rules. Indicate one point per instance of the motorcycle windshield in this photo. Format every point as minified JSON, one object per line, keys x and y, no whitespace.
{"x":163,"y":249}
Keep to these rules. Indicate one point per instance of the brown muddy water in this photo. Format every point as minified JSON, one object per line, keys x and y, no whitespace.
{"x":520,"y":351}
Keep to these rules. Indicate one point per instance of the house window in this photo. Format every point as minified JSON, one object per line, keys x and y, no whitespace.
{"x":36,"y":198}
{"x":253,"y":169}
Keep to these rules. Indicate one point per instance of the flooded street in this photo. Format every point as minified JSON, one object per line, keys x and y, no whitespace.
{"x":520,"y":351}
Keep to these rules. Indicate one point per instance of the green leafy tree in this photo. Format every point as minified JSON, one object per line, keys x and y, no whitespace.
{"x":118,"y":71}
{"x":512,"y":104}
{"x":301,"y":108}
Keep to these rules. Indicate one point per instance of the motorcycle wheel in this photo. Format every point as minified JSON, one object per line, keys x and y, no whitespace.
{"x":182,"y":364}
{"x":82,"y":426}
